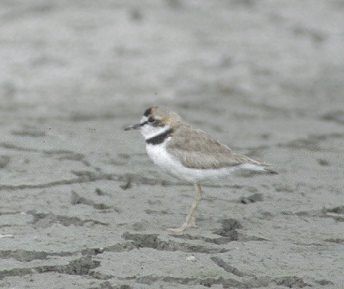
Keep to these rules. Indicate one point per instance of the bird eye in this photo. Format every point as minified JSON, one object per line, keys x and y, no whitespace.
{"x":151,"y":119}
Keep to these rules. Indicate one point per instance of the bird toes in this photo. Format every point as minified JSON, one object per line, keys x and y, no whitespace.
{"x":177,"y":231}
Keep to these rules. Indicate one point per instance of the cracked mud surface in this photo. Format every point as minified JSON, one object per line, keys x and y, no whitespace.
{"x":81,"y":204}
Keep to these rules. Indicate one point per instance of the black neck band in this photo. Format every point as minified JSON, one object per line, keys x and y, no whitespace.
{"x":158,"y":139}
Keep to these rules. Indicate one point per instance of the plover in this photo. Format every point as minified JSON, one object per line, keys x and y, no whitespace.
{"x":189,"y":154}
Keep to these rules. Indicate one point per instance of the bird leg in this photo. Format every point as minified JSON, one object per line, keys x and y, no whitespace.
{"x":190,"y":220}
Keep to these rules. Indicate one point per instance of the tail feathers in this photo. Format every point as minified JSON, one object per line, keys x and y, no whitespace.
{"x":270,"y":171}
{"x":261,"y":168}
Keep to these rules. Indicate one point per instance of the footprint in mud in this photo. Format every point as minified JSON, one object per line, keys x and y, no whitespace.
{"x":229,"y":229}
{"x":335,"y":116}
{"x":251,"y":199}
{"x":76,"y":199}
{"x":229,"y":232}
{"x":336,"y":213}
{"x":4,"y":161}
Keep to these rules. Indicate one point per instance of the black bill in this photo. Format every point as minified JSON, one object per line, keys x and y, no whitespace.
{"x":135,"y":126}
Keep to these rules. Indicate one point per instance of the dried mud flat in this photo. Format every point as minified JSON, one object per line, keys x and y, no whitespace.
{"x":83,"y":207}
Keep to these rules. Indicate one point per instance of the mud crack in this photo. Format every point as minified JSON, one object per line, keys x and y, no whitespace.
{"x":254,"y":282}
{"x":45,"y":220}
{"x":207,"y":282}
{"x":228,"y":268}
{"x":153,"y":241}
{"x":27,"y":256}
{"x":81,"y":266}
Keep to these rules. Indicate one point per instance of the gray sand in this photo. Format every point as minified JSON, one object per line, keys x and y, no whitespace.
{"x":81,"y":204}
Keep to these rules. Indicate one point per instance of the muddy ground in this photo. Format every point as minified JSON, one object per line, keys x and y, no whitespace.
{"x":81,"y":204}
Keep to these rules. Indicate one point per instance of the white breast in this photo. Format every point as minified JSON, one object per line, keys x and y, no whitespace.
{"x":161,"y":157}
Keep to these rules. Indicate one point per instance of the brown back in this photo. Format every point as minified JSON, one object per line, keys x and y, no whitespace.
{"x":196,"y":149}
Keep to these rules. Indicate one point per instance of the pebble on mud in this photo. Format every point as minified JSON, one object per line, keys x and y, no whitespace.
{"x":191,"y":258}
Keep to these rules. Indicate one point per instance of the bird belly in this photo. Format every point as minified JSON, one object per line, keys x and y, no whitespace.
{"x":174,"y":167}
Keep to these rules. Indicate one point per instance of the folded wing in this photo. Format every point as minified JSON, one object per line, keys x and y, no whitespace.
{"x":196,"y":149}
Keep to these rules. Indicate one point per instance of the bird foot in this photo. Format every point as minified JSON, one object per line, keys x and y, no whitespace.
{"x":192,"y":223}
{"x":182,"y":228}
{"x":178,"y":231}
{"x":175,"y":231}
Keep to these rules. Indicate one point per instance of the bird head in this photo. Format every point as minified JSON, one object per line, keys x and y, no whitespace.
{"x":156,"y":120}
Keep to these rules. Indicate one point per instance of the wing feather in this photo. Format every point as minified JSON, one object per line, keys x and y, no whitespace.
{"x":196,"y":149}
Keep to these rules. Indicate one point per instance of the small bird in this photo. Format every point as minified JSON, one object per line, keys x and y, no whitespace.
{"x":189,"y":154}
